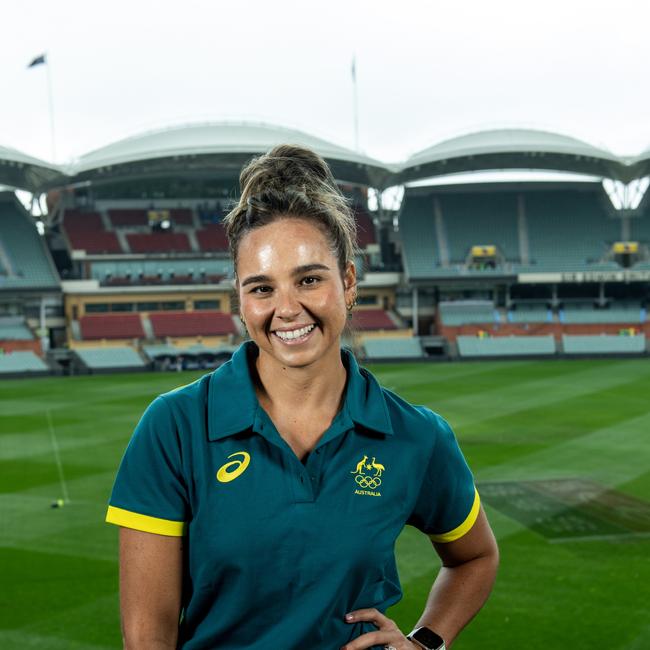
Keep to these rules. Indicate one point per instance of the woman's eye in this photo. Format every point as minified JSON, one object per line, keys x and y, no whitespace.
{"x":261,"y":289}
{"x":311,"y":279}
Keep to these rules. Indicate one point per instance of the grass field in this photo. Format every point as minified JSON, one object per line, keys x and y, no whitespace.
{"x":560,"y":450}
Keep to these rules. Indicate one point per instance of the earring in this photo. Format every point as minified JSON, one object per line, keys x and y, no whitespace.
{"x":243,"y":322}
{"x":352,"y":304}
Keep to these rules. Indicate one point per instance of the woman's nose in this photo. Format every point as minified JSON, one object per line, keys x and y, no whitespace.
{"x":288,"y":305}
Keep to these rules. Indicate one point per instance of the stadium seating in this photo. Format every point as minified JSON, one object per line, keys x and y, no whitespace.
{"x":393,"y":348}
{"x":530,"y":314}
{"x":158,"y":242}
{"x":590,"y":315}
{"x":473,"y":346}
{"x":604,"y":343}
{"x":203,"y":323}
{"x":14,"y":328}
{"x":128,"y":217}
{"x":462,"y":312}
{"x":22,"y":361}
{"x":182,"y":216}
{"x":212,"y":238}
{"x":85,"y":231}
{"x":372,"y":319}
{"x":365,"y":227}
{"x":569,"y":229}
{"x":25,"y":263}
{"x":420,"y":252}
{"x":480,"y":219}
{"x":110,"y":358}
{"x":111,"y":326}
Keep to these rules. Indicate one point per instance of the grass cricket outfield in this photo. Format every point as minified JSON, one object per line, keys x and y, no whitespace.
{"x":560,"y":451}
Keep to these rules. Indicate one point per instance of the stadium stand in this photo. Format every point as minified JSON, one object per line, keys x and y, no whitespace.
{"x":25,"y":263}
{"x":603,"y":344}
{"x":372,"y":319}
{"x":22,"y":362}
{"x":212,"y":238}
{"x":569,"y":230}
{"x":14,"y":328}
{"x":467,"y":311}
{"x":158,"y":242}
{"x":85,"y":231}
{"x":110,"y":358}
{"x":587,"y":314}
{"x":419,"y":244}
{"x":128,"y":217}
{"x":393,"y":348}
{"x":203,"y":323}
{"x":182,"y":216}
{"x":111,"y":326}
{"x":365,"y":227}
{"x":530,"y":314}
{"x":478,"y":219}
{"x":473,"y":346}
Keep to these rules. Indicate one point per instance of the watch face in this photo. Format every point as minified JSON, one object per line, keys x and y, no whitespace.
{"x":428,"y":638}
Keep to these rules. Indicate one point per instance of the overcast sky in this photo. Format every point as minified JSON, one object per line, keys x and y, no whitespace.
{"x":426,"y":70}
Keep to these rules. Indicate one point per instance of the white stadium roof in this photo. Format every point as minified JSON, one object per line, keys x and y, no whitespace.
{"x":221,"y":148}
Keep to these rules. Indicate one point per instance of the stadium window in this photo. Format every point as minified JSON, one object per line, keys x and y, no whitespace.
{"x":367,"y":300}
{"x":122,"y":306}
{"x":207,"y":304}
{"x":96,"y":308}
{"x":147,"y":306}
{"x":173,"y":306}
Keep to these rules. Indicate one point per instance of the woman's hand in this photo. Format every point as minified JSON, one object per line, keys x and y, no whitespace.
{"x":388,"y":633}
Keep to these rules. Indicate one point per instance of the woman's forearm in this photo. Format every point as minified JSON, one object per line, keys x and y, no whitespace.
{"x":457,"y":594}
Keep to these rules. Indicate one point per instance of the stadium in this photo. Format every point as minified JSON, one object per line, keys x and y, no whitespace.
{"x":516,"y":307}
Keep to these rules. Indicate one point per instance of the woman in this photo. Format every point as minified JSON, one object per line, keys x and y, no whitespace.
{"x":261,"y":503}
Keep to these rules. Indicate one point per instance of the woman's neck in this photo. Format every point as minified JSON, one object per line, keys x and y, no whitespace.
{"x":315,"y":388}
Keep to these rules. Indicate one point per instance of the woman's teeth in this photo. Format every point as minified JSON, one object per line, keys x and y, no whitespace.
{"x":294,"y":334}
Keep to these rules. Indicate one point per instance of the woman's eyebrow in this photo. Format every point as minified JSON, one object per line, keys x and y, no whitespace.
{"x":305,"y":268}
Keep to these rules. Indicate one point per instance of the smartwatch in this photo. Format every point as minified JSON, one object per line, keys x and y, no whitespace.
{"x":426,"y":638}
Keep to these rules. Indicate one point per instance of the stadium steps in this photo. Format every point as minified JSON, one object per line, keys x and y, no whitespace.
{"x":75,"y":330}
{"x":147,"y":327}
{"x":121,"y":237}
{"x":194,"y":243}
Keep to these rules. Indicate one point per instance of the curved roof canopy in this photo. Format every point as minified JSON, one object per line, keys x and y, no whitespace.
{"x":214,"y":148}
{"x":219,"y":150}
{"x":25,"y":172}
{"x":512,"y":149}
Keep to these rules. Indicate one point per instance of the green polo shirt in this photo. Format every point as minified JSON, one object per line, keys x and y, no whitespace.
{"x":277,"y":550}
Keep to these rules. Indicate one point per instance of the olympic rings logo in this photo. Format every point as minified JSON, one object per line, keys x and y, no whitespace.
{"x":367,"y":481}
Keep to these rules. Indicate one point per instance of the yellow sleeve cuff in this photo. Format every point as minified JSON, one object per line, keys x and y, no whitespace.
{"x":144,"y":523}
{"x":459,"y":531}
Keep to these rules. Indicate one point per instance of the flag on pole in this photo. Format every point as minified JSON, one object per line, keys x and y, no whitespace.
{"x":38,"y":61}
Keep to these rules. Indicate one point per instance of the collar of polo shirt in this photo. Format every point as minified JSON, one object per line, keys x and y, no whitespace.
{"x":233,"y":405}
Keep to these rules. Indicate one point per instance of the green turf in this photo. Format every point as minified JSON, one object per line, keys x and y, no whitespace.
{"x":537,"y":424}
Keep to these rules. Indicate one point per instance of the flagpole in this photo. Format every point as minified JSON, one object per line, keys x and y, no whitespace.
{"x":355,"y":103}
{"x":51,"y":105}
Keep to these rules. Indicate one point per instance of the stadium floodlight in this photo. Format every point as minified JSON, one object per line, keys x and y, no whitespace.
{"x":626,"y":197}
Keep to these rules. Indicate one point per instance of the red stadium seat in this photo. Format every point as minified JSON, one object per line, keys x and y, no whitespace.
{"x":203,"y":323}
{"x":158,"y":242}
{"x":111,"y":326}
{"x":372,"y":319}
{"x":212,"y":238}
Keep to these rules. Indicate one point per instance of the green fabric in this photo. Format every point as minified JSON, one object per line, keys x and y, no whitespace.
{"x":279,"y":554}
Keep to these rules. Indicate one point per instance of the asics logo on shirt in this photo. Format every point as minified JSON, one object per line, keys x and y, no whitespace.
{"x":230,"y":471}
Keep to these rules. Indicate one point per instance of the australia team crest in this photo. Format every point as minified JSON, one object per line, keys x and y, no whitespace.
{"x":367,"y":476}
